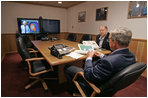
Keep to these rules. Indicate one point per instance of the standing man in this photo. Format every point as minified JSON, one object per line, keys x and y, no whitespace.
{"x":25,"y":28}
{"x":107,"y":66}
{"x":102,"y":38}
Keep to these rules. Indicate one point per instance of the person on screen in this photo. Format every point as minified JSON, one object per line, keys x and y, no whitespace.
{"x":25,"y":28}
{"x":102,"y":38}
{"x":105,"y":66}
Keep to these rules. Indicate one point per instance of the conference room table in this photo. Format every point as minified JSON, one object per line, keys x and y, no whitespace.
{"x":42,"y":47}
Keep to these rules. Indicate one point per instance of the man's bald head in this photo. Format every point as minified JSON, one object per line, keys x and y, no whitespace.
{"x":103,"y":31}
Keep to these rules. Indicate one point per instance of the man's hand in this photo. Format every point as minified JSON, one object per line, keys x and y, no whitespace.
{"x":93,"y":53}
{"x":90,"y":53}
{"x":97,"y":53}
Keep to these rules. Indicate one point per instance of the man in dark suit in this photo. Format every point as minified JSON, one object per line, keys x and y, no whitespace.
{"x":106,"y":66}
{"x":102,"y":38}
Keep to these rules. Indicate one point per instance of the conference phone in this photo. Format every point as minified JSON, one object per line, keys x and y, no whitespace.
{"x":58,"y":50}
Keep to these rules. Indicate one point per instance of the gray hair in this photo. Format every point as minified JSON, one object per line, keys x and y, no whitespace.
{"x":122,"y":36}
{"x":106,"y":27}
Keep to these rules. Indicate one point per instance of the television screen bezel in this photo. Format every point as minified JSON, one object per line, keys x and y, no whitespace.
{"x":19,"y":25}
{"x":50,"y":32}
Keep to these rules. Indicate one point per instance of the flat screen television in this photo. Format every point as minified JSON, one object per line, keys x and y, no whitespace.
{"x":28,"y":26}
{"x":50,"y":26}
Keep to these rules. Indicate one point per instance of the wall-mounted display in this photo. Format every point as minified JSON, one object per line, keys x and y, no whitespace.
{"x":82,"y":16}
{"x":137,"y":9}
{"x":101,"y":13}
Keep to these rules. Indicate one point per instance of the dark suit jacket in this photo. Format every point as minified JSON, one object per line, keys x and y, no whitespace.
{"x":106,"y":67}
{"x":105,"y":43}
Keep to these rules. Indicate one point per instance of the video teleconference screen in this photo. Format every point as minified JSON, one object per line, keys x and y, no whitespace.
{"x":28,"y":26}
{"x":38,"y":26}
{"x":50,"y":26}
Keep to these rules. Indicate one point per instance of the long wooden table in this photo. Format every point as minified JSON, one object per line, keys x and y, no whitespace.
{"x":42,"y":47}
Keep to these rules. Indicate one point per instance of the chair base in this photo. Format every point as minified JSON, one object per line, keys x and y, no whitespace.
{"x":39,"y":79}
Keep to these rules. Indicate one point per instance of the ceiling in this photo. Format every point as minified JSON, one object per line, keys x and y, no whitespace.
{"x":65,"y":4}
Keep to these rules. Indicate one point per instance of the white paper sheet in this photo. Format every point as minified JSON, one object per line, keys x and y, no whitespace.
{"x":75,"y":55}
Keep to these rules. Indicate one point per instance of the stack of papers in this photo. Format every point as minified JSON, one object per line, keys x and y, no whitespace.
{"x":80,"y":53}
{"x":75,"y":55}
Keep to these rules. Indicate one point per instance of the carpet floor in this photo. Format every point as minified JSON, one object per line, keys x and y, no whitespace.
{"x":14,"y":77}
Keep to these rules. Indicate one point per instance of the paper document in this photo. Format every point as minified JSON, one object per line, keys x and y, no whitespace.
{"x":81,"y":52}
{"x":75,"y":55}
{"x":85,"y":47}
{"x":91,"y":43}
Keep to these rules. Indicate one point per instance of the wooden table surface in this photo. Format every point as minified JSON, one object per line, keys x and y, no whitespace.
{"x":42,"y":46}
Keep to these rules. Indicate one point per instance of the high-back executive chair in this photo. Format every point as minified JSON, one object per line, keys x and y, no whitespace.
{"x":86,"y":37}
{"x":72,"y":37}
{"x":27,"y":41}
{"x":119,"y":81}
{"x":37,"y":67}
{"x":21,"y":50}
{"x":30,"y":47}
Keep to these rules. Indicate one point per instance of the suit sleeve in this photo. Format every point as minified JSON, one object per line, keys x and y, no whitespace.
{"x":99,"y":72}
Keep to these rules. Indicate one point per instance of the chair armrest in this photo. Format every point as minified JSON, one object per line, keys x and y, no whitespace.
{"x":96,"y":89}
{"x":35,"y":59}
{"x":30,"y":49}
{"x":33,"y":51}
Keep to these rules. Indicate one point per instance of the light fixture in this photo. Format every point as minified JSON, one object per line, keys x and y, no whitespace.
{"x":59,"y":2}
{"x":137,"y":4}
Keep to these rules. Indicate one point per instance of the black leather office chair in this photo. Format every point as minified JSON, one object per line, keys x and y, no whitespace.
{"x":29,"y":52}
{"x":18,"y":35}
{"x":72,"y":37}
{"x":86,"y":37}
{"x":119,"y":81}
{"x":27,"y":41}
{"x":37,"y":67}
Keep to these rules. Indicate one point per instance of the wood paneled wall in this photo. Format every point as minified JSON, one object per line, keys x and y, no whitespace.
{"x":8,"y":44}
{"x":137,"y":46}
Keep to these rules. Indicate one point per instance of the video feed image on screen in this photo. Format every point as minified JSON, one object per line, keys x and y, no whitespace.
{"x":29,"y":26}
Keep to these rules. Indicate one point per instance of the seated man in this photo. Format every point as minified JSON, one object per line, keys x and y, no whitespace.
{"x":106,"y":66}
{"x":102,"y":38}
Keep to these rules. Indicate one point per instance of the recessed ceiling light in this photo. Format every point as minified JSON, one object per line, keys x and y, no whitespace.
{"x":59,"y":2}
{"x":137,"y":5}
